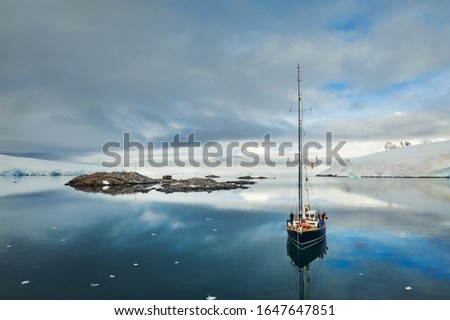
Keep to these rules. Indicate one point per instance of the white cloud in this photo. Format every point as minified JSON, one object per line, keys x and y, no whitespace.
{"x":75,"y":75}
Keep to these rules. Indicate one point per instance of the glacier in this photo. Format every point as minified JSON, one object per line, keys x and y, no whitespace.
{"x":418,"y":161}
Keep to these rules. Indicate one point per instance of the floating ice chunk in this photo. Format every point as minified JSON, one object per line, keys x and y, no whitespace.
{"x":8,"y":246}
{"x":153,"y":234}
{"x":63,"y":240}
{"x":95,"y":284}
{"x":215,"y":230}
{"x":360,"y":274}
{"x":135,"y":264}
{"x":408,"y":288}
{"x":177,"y":262}
{"x":25,"y":282}
{"x":112,"y":276}
{"x":209,"y":297}
{"x":208,"y":219}
{"x":105,"y":182}
{"x":53,"y":227}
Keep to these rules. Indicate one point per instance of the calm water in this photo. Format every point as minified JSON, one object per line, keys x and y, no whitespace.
{"x":387,"y":239}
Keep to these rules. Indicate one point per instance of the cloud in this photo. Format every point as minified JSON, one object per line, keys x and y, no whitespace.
{"x":75,"y":75}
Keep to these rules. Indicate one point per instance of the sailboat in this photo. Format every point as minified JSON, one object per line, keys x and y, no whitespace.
{"x":307,"y":226}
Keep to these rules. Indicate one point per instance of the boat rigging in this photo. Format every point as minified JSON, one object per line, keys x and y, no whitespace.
{"x":307,"y":226}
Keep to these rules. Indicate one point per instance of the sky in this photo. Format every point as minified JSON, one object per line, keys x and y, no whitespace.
{"x":77,"y":74}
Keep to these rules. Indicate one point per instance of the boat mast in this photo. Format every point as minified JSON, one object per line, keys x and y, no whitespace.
{"x":300,"y":144}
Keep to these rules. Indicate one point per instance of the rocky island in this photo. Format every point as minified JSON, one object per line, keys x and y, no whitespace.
{"x":251,"y":178}
{"x":133,"y":182}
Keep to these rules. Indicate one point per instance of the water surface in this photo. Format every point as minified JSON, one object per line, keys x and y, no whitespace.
{"x":387,"y":239}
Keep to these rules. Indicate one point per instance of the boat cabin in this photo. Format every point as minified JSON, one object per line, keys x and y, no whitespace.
{"x":312,"y":218}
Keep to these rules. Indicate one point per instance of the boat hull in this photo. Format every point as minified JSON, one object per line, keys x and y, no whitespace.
{"x":308,"y":238}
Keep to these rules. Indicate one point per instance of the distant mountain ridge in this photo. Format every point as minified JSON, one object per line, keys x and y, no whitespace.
{"x":19,"y":166}
{"x":418,"y":161}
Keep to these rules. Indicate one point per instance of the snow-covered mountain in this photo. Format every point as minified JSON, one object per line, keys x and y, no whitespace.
{"x":18,"y":166}
{"x":426,"y":160}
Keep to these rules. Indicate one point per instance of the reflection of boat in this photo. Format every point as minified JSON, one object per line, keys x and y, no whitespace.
{"x":303,"y":260}
{"x":307,"y":226}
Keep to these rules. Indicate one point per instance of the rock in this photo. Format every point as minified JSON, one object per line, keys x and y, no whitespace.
{"x":242,"y":182}
{"x":114,"y":183}
{"x":110,"y":179}
{"x":251,"y":178}
{"x":201,"y":185}
{"x":212,"y":176}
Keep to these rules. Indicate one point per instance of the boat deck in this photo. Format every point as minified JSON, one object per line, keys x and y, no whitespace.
{"x":311,"y":228}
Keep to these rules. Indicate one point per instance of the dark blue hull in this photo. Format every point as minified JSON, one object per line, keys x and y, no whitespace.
{"x":307,"y":238}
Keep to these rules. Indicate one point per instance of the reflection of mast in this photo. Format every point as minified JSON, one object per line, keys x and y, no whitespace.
{"x":305,"y":283}
{"x":302,"y":259}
